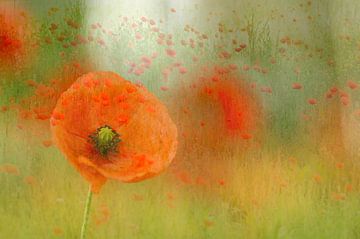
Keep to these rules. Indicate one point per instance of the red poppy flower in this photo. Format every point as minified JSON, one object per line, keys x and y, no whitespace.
{"x":109,"y":128}
{"x":15,"y":36}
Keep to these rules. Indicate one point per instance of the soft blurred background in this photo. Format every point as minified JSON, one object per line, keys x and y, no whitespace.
{"x":264,"y":94}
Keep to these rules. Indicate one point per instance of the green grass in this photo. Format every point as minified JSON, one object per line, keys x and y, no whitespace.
{"x":266,"y":196}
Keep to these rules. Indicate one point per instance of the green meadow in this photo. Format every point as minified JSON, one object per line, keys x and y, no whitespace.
{"x":297,"y":176}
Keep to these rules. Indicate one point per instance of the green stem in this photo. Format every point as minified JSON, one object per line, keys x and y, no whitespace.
{"x":86,"y":214}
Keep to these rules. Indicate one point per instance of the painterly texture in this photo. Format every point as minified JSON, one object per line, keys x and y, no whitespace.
{"x":264,"y":96}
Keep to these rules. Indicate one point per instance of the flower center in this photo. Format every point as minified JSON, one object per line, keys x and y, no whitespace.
{"x":105,"y":140}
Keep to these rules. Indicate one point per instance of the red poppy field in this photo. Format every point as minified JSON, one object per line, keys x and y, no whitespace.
{"x":179,"y":119}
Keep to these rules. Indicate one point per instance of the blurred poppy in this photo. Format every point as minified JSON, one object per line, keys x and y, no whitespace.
{"x":110,"y":128}
{"x":15,"y":36}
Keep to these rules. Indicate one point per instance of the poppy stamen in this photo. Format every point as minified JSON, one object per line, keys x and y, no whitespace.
{"x":105,"y":140}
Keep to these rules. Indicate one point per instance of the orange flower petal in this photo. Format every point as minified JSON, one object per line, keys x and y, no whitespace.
{"x":148,"y":137}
